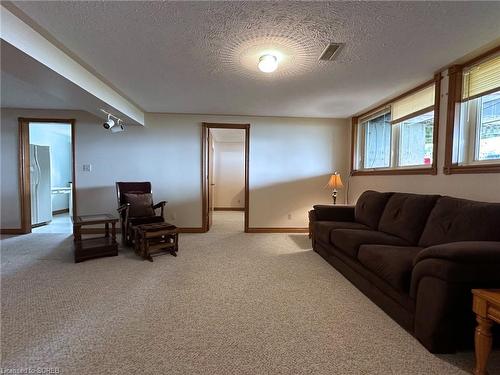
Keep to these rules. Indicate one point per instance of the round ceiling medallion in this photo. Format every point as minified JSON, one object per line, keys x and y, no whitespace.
{"x":243,"y":57}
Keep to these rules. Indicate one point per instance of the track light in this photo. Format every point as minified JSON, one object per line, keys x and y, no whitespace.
{"x":109,"y":123}
{"x":118,"y":128}
{"x":113,"y":123}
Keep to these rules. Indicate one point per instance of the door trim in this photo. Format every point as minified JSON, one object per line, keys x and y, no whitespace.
{"x":204,"y":168}
{"x":24,"y":167}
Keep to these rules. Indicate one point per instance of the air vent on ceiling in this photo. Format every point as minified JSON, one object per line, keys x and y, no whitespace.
{"x":330,"y":51}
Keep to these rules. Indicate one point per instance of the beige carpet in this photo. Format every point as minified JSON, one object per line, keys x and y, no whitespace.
{"x":230,"y":303}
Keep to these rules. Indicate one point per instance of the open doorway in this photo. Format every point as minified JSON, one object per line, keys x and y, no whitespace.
{"x":47,"y":175}
{"x":225,"y":150}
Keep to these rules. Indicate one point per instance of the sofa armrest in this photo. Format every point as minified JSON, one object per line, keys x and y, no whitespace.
{"x":471,"y":262}
{"x":463,"y":252}
{"x":441,"y":283}
{"x":333,"y":213}
{"x":458,"y":262}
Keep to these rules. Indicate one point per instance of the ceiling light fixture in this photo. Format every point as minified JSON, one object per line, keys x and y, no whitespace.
{"x":113,"y":123}
{"x":268,"y":63}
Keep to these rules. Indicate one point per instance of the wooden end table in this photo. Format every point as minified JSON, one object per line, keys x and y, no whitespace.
{"x":89,"y":248}
{"x":486,"y":306}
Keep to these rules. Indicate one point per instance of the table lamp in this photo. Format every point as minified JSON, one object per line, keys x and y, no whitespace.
{"x":335,"y":182}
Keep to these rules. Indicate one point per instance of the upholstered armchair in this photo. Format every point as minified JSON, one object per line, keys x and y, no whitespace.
{"x":135,"y":206}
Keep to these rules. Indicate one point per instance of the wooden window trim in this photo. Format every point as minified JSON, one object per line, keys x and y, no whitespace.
{"x":432,"y":170}
{"x":454,"y":97}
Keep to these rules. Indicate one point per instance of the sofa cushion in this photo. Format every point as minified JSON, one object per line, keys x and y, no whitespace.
{"x":322,"y":229}
{"x":393,"y":264}
{"x":369,"y":207}
{"x":349,"y":240}
{"x":454,"y":219}
{"x":405,"y":215}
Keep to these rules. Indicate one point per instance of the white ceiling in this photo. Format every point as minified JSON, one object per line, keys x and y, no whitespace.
{"x":196,"y":57}
{"x":228,"y":135}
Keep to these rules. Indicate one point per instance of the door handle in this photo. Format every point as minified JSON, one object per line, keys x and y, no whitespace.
{"x":212,"y":184}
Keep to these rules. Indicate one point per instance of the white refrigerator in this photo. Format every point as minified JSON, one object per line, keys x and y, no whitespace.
{"x":41,"y":202}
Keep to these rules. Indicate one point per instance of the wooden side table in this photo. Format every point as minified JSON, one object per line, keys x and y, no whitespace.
{"x":486,"y":306}
{"x":89,"y":248}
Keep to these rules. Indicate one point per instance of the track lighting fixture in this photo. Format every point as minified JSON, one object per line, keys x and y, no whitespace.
{"x":113,"y":123}
{"x":118,"y":127}
{"x":109,"y":123}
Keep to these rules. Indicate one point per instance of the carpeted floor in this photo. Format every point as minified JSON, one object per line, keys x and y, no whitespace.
{"x":230,"y":303}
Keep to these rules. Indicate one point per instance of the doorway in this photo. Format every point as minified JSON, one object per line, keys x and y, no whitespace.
{"x":47,"y":170}
{"x":225,"y":162}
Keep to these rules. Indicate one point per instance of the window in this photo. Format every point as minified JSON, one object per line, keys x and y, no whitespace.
{"x":399,"y":137}
{"x":416,"y":140}
{"x":475,"y":117}
{"x":377,"y":142}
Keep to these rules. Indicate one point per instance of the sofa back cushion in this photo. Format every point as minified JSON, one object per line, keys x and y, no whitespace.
{"x":369,"y":207}
{"x":405,"y":215}
{"x":454,"y":219}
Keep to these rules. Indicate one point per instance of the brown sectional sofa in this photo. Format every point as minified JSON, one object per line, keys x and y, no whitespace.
{"x":417,"y":257}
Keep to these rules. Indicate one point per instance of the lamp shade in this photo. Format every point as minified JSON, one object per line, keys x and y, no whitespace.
{"x":335,"y":182}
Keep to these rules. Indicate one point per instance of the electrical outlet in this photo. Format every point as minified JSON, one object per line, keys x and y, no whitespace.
{"x":289,"y":216}
{"x":87,"y":167}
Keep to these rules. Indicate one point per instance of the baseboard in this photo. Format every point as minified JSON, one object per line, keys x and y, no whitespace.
{"x":191,"y":230}
{"x":59,"y":212}
{"x":118,"y":230}
{"x":11,"y":231}
{"x":229,"y":208}
{"x":278,"y":230}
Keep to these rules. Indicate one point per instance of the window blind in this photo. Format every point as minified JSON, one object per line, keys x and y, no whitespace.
{"x":481,"y":79}
{"x":413,"y":104}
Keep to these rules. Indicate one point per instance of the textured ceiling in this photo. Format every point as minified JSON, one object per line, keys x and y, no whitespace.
{"x":198,"y":57}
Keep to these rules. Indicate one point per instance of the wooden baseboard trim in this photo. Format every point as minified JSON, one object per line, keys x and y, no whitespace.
{"x":278,"y":230}
{"x":191,"y":230}
{"x":118,"y":230}
{"x":11,"y":231}
{"x":229,"y":208}
{"x":59,"y":212}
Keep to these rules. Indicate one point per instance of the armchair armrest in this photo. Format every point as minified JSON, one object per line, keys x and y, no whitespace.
{"x":159,"y":205}
{"x":333,"y":213}
{"x":123,"y":207}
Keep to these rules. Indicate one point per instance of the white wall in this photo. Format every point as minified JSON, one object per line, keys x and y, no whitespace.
{"x":483,"y":187}
{"x":229,"y":174}
{"x":9,"y":184}
{"x":290,"y":159}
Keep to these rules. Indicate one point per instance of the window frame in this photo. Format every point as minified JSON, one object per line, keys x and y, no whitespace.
{"x":406,"y":170}
{"x":455,"y":74}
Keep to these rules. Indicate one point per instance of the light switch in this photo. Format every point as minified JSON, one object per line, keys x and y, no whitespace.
{"x":87,"y":167}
